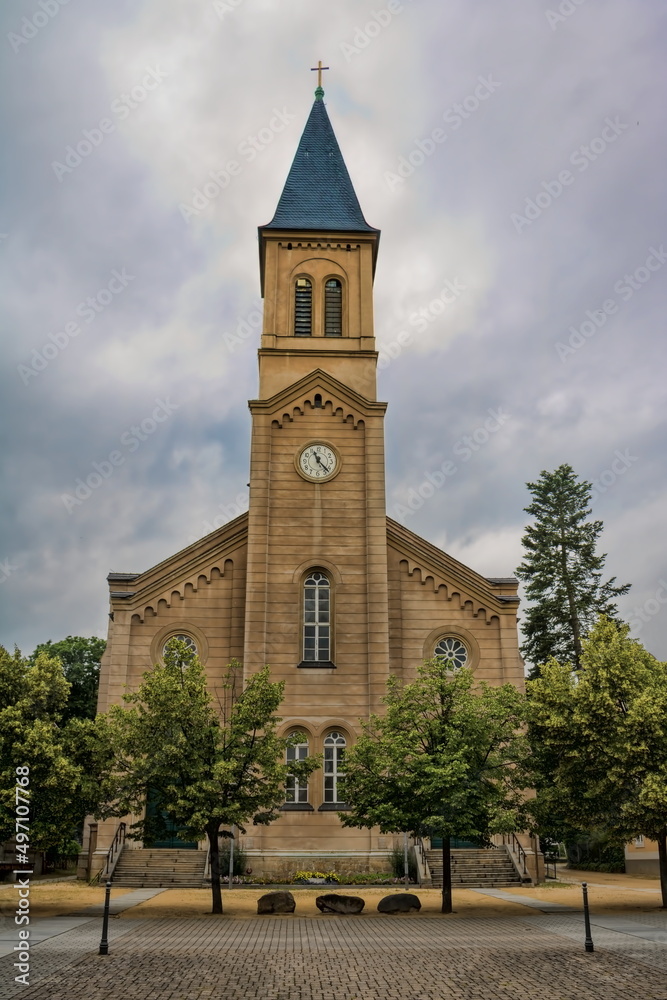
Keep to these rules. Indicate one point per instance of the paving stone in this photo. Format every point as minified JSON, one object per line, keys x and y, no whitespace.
{"x":314,"y":958}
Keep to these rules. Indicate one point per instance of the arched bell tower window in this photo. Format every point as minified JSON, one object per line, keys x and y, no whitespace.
{"x":333,"y":308}
{"x":303,"y":308}
{"x":316,"y":619}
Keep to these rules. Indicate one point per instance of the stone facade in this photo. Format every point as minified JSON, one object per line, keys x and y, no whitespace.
{"x":239,"y":592}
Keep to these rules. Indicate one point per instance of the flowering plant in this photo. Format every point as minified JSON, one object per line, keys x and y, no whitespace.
{"x":306,"y":876}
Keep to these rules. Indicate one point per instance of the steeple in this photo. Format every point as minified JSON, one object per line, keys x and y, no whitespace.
{"x":318,"y":193}
{"x":317,"y":264}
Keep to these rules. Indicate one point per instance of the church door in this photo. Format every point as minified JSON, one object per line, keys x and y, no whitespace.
{"x":164,"y":832}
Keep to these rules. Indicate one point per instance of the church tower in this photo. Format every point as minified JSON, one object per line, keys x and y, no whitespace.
{"x":317,"y":496}
{"x":314,"y":580}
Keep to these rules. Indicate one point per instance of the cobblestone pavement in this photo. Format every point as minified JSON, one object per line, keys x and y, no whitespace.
{"x":383,"y":958}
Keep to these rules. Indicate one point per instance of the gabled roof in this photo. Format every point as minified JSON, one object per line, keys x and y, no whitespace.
{"x":493,"y":593}
{"x":318,"y":193}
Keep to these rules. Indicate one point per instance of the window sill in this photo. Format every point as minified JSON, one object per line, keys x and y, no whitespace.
{"x":334,"y":807}
{"x":297,"y":807}
{"x":317,"y":664}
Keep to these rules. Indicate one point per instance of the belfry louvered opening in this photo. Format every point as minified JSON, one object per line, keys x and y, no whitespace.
{"x":303,"y":308}
{"x":333,"y":308}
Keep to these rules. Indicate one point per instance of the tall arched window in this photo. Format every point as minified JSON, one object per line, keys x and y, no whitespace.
{"x":334,"y":766}
{"x":316,"y":618}
{"x":303,"y":308}
{"x":295,"y":790}
{"x":333,"y":308}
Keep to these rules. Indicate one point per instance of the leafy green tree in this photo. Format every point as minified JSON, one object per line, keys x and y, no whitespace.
{"x":207,"y":766}
{"x":600,"y":739}
{"x":447,"y":757}
{"x":562,"y":572}
{"x":61,"y":786}
{"x":80,"y":658}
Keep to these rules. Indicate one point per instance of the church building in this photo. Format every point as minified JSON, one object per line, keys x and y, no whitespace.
{"x":314,"y":580}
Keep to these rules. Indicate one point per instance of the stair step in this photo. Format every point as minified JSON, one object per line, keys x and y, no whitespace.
{"x":155,"y":869}
{"x":475,"y":868}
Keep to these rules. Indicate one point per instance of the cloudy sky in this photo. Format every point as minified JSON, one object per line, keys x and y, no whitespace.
{"x":513,"y":155}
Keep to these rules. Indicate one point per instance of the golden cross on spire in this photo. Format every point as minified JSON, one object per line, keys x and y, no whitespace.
{"x":318,"y":69}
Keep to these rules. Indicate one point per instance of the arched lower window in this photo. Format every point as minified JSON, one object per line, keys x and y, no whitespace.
{"x":334,"y":767}
{"x":295,"y":790}
{"x":303,"y":308}
{"x":333,"y":308}
{"x":316,"y":618}
{"x":452,"y":651}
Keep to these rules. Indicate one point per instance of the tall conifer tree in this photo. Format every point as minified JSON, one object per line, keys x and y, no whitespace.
{"x":562,"y":571}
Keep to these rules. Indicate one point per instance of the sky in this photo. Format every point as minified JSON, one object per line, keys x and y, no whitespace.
{"x":513,"y":156}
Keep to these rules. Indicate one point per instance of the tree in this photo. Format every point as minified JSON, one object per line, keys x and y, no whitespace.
{"x":205,"y":768}
{"x":563,"y":574}
{"x":600,"y":739}
{"x":445,"y":759}
{"x":80,"y":658}
{"x":61,"y":786}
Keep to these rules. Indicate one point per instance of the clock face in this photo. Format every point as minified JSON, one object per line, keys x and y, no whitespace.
{"x":317,"y":462}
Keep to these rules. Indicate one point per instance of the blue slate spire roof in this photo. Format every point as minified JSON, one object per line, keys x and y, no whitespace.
{"x":318,"y":193}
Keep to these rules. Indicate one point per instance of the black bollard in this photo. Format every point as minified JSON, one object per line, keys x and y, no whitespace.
{"x":104,"y":943}
{"x":588,"y":942}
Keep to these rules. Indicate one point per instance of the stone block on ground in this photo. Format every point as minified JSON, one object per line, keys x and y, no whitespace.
{"x":400,"y":902}
{"x":276,"y":902}
{"x":334,"y":902}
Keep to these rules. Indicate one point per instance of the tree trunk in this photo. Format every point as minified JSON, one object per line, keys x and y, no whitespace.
{"x":571,"y":602}
{"x":446,"y":876}
{"x":662,"y":854}
{"x":216,"y":894}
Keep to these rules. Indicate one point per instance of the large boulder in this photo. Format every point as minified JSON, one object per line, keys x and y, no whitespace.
{"x":400,"y":902}
{"x":276,"y":902}
{"x":333,"y":902}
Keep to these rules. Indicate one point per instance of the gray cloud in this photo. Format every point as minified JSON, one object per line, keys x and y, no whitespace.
{"x":224,"y":72}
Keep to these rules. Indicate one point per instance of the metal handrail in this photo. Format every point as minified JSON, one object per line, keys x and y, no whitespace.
{"x":419,"y":846}
{"x":421,"y":852}
{"x":511,"y":841}
{"x":520,"y":851}
{"x":548,"y":863}
{"x":117,"y":845}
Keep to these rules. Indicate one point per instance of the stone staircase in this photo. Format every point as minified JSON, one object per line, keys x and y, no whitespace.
{"x":151,"y":868}
{"x":486,"y":868}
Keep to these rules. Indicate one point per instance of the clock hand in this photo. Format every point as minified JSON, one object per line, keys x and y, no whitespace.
{"x":318,"y":459}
